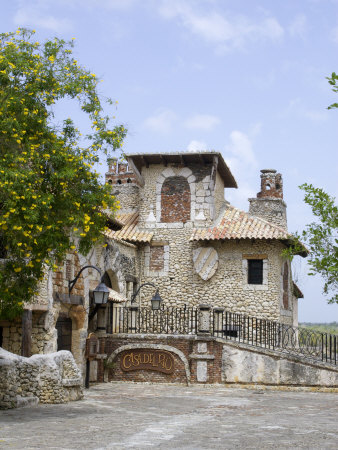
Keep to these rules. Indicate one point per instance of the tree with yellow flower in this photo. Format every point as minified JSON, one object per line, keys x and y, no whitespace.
{"x":51,"y":199}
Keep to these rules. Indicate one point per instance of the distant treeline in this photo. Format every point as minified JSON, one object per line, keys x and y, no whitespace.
{"x":331,"y":327}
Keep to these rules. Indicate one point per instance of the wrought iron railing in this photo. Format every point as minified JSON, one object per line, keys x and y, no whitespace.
{"x":145,"y":320}
{"x":223,"y":324}
{"x":277,"y":336}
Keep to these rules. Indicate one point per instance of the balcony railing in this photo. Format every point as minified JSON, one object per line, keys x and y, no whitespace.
{"x":220,"y":323}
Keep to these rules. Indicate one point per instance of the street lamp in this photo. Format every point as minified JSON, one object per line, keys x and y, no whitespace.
{"x":101,"y":292}
{"x":156,"y":299}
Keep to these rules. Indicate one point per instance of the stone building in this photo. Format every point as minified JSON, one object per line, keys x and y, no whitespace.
{"x":176,"y":230}
{"x":202,"y":249}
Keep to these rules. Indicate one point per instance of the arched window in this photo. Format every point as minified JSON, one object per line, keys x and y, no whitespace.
{"x":175,"y":200}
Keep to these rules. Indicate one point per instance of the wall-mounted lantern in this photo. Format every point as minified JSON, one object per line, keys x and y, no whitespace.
{"x":101,"y":292}
{"x":156,"y":300}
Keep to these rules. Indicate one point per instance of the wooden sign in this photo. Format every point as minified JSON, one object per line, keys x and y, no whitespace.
{"x":147,"y":359}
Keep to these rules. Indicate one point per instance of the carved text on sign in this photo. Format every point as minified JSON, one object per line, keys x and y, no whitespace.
{"x":159,"y":360}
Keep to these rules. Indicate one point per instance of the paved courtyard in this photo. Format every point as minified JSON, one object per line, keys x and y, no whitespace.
{"x":140,"y":416}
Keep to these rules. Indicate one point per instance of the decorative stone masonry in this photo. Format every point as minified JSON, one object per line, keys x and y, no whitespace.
{"x":156,"y":259}
{"x":52,"y":378}
{"x":202,"y":359}
{"x":175,"y":200}
{"x":204,"y":320}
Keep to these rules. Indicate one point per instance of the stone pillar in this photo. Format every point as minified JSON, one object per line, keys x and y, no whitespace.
{"x":132,"y":319}
{"x":101,"y":319}
{"x":204,"y":319}
{"x":218,"y":321}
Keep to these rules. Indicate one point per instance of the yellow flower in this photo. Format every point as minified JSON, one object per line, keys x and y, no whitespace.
{"x":17,"y":269}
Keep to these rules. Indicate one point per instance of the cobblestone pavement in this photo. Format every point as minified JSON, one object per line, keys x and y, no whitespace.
{"x":141,"y":416}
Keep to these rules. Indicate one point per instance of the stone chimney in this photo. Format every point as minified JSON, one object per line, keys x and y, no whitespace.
{"x":269,"y":203}
{"x":124,"y":185}
{"x":119,"y":173}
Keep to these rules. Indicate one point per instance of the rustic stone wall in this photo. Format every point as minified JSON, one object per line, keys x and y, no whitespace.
{"x":228,"y":287}
{"x":53,"y":378}
{"x":203,"y":359}
{"x":271,"y":209}
{"x":128,"y":195}
{"x":242,"y":364}
{"x":119,"y":261}
{"x":220,"y":202}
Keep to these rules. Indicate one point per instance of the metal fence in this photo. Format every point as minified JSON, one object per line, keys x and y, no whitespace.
{"x":145,"y":320}
{"x":275,"y":336}
{"x":223,"y":324}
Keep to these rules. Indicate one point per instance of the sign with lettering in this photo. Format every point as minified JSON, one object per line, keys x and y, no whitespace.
{"x":147,"y":359}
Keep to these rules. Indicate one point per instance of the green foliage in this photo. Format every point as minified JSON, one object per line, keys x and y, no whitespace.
{"x":51,"y":200}
{"x":321,"y":237}
{"x":330,"y":328}
{"x":333,"y":81}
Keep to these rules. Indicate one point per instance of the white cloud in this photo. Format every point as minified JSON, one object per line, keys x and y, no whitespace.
{"x":203,"y":122}
{"x":34,"y":16}
{"x":228,"y":32}
{"x":240,"y":157}
{"x":241,"y":148}
{"x":195,"y":146}
{"x":161,"y":122}
{"x":298,"y":27}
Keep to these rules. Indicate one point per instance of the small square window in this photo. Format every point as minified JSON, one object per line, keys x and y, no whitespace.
{"x":255,"y":271}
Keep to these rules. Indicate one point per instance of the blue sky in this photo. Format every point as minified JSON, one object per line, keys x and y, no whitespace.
{"x":245,"y":77}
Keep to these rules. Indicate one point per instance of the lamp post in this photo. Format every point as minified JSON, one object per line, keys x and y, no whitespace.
{"x":101,"y":294}
{"x":156,"y":298}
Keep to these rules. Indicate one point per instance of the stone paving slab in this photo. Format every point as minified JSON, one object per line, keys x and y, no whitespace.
{"x":143,"y":416}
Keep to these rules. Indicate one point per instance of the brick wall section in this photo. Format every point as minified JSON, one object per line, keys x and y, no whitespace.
{"x":156,"y":261}
{"x":175,"y":200}
{"x":271,"y":184}
{"x":186,"y":344}
{"x":69,"y":269}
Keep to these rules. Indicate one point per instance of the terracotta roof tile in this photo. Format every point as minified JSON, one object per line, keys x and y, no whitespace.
{"x":129,"y":231}
{"x":237,"y":224}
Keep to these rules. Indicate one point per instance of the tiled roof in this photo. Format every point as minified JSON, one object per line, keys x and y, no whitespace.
{"x":129,"y":231}
{"x":116,"y":296}
{"x":237,"y":224}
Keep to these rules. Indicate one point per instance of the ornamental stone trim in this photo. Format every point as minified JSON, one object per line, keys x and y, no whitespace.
{"x":156,"y":273}
{"x":168,"y":348}
{"x":167,"y":173}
